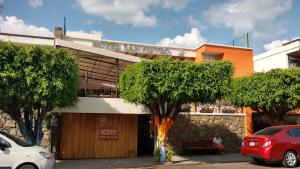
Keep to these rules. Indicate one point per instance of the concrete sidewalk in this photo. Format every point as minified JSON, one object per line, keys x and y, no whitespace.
{"x":147,"y":162}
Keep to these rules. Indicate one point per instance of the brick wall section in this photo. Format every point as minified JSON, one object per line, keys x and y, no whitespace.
{"x":10,"y":126}
{"x":231,"y":128}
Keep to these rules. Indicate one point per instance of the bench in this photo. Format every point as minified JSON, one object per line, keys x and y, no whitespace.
{"x":200,"y":144}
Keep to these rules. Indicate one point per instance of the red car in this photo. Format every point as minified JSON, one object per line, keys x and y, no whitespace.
{"x":277,"y":143}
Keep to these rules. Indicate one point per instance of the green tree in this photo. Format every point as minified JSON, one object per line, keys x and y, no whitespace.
{"x":275,"y":92}
{"x":34,"y":80}
{"x":162,"y":85}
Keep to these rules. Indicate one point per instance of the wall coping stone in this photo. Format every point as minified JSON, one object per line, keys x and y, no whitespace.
{"x":211,"y":114}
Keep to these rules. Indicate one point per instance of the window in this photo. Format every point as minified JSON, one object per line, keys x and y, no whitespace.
{"x":3,"y":141}
{"x":296,"y":132}
{"x":17,"y":140}
{"x":268,"y":131}
{"x":208,"y":58}
{"x":294,"y":60}
{"x":290,"y":133}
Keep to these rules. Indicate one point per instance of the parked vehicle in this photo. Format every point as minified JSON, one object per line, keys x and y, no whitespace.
{"x":277,"y":143}
{"x":16,"y":154}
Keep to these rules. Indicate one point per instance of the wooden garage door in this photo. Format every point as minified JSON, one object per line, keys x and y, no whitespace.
{"x":98,"y":136}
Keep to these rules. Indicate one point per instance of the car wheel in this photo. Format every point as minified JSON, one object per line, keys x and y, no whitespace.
{"x":259,"y":160}
{"x":27,"y":166}
{"x":290,"y":159}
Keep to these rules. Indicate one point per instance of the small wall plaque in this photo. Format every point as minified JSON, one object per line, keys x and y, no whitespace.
{"x":108,"y":134}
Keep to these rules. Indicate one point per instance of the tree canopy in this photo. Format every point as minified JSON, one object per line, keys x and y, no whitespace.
{"x":34,"y":80}
{"x":275,"y":92}
{"x":163,"y":84}
{"x":170,"y":80}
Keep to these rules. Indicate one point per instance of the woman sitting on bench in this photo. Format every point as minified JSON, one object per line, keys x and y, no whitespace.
{"x":217,"y":142}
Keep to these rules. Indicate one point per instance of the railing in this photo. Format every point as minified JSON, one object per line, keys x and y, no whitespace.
{"x":211,"y":108}
{"x":100,"y":92}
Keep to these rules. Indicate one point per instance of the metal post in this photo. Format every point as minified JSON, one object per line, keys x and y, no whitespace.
{"x":248,"y":40}
{"x":65,"y":25}
{"x":86,"y":81}
{"x":117,"y":78}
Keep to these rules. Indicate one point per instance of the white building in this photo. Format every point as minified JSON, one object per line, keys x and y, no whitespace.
{"x":285,"y":56}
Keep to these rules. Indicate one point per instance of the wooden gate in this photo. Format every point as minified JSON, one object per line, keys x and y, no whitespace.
{"x":98,"y":136}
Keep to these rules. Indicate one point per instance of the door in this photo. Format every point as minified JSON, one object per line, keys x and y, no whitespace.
{"x":77,"y":136}
{"x":145,"y":135}
{"x":98,"y":136}
{"x":116,"y":136}
{"x":5,"y":155}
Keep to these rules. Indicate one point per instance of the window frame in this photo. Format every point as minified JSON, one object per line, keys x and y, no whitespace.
{"x":6,"y":142}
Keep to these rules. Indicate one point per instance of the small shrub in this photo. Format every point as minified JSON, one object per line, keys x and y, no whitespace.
{"x":169,"y":154}
{"x":157,"y":154}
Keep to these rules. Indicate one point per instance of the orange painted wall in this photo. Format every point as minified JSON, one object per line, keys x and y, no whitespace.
{"x":242,"y":58}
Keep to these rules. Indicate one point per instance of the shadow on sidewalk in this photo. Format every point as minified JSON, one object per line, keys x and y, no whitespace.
{"x":147,"y":161}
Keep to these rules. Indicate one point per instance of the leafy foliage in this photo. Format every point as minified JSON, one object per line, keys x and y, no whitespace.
{"x":170,"y":80}
{"x":169,"y":154}
{"x":163,"y":84}
{"x":276,"y":91}
{"x":157,"y":154}
{"x":34,"y":80}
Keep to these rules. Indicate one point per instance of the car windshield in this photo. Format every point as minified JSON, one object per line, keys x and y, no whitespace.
{"x":17,"y":140}
{"x":268,"y":131}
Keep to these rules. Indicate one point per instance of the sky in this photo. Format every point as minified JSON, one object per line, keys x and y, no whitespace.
{"x":179,"y":23}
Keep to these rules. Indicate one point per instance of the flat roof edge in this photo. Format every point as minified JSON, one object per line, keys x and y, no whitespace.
{"x":226,"y":46}
{"x":28,"y":36}
{"x":146,"y":44}
{"x":97,"y":51}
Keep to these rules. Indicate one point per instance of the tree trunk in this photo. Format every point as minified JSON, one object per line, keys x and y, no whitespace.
{"x":163,"y":127}
{"x":276,"y":121}
{"x":29,"y":126}
{"x":27,"y":134}
{"x":277,"y":116}
{"x":38,"y":131}
{"x":164,"y":114}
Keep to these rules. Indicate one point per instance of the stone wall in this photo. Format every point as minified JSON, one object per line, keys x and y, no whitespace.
{"x":231,"y":128}
{"x":10,"y":126}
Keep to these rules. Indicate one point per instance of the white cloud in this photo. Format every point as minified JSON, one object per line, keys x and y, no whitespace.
{"x":35,"y":3}
{"x":176,"y":5}
{"x":97,"y":32}
{"x":88,"y":22}
{"x":276,"y":43}
{"x":194,"y":23}
{"x":188,"y":40}
{"x":259,"y":17}
{"x":12,"y":24}
{"x":128,"y":11}
{"x":96,"y":35}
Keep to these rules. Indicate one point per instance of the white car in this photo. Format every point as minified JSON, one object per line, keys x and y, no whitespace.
{"x":16,"y":154}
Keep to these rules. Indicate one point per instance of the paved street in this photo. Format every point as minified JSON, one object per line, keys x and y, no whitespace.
{"x":238,"y":165}
{"x":149,"y":162}
{"x":227,"y":161}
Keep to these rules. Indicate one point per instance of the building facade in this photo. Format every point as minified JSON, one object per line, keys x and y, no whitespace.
{"x":285,"y":56}
{"x":102,"y":125}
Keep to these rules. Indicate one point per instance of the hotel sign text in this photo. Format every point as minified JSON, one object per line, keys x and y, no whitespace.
{"x":108,"y":134}
{"x":139,"y":48}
